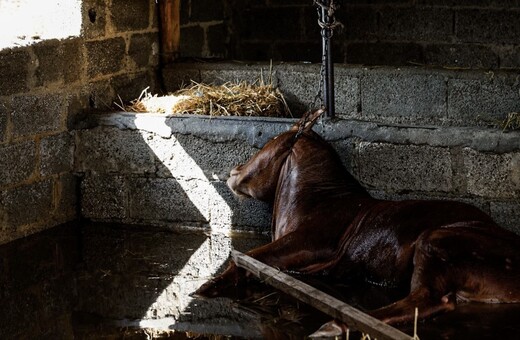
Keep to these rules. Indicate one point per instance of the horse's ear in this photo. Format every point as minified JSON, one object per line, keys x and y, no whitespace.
{"x":307,"y":121}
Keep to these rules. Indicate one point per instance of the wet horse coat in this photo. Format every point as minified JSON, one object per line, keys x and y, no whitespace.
{"x":325,"y":222}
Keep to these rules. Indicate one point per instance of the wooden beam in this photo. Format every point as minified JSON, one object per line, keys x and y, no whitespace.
{"x":169,"y":13}
{"x":319,"y":300}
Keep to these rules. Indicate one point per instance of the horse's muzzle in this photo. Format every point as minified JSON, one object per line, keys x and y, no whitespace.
{"x":232,"y":182}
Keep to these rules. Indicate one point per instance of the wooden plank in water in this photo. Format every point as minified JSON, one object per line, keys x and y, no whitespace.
{"x":318,"y":299}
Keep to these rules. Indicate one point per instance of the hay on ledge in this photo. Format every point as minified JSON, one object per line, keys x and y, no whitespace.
{"x":229,"y":99}
{"x":511,"y":122}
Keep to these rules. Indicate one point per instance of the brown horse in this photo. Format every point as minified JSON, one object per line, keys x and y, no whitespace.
{"x":325,"y":222}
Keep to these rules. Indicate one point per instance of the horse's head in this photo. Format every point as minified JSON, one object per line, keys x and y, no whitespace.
{"x":258,"y":177}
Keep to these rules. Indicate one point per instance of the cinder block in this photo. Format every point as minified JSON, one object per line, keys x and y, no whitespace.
{"x":206,"y":10}
{"x":32,"y":114}
{"x":181,"y":75}
{"x":347,"y":89}
{"x":267,"y":23}
{"x":360,"y":22}
{"x":133,"y":15}
{"x":78,"y":105}
{"x":403,"y":96}
{"x":56,"y":154}
{"x":474,"y":101}
{"x":105,"y":56}
{"x":113,"y":150}
{"x":215,"y":159}
{"x":4,"y":114}
{"x":294,"y":3}
{"x":507,"y":214}
{"x":68,"y":70}
{"x":27,"y":204}
{"x":67,"y":200}
{"x":299,"y":88}
{"x":93,"y":18}
{"x":400,"y":168}
{"x":96,"y":95}
{"x":254,"y":51}
{"x":103,"y":197}
{"x":510,"y":57}
{"x":228,"y":74}
{"x":241,"y":213}
{"x":501,"y":26}
{"x":492,"y":175}
{"x":130,"y":86}
{"x":192,"y":41}
{"x":416,"y":24}
{"x":465,"y":3}
{"x":143,"y":49}
{"x":174,"y":78}
{"x":17,"y":162}
{"x":346,"y":150}
{"x":461,"y":55}
{"x":384,"y":53}
{"x":217,"y":40}
{"x":158,"y":199}
{"x":300,"y":51}
{"x":188,"y":157}
{"x":14,"y":66}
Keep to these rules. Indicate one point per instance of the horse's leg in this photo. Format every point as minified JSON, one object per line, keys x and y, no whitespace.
{"x":457,"y":263}
{"x":430,"y":285}
{"x":289,"y":252}
{"x":428,"y":291}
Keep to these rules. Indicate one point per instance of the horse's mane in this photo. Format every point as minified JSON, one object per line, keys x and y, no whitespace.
{"x":321,"y":170}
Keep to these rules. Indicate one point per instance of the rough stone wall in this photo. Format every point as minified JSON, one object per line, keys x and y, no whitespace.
{"x":467,"y":34}
{"x":46,"y":88}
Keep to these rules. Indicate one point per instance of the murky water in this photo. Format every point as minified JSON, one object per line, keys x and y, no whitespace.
{"x":98,"y":281}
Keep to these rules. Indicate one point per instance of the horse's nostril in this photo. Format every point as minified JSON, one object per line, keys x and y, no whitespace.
{"x":234,"y":171}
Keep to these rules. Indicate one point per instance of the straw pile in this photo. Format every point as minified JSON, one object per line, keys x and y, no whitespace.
{"x":511,"y":122}
{"x":229,"y":99}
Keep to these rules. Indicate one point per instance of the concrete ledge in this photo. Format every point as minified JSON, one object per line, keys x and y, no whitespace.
{"x":158,"y":169}
{"x":256,"y":131}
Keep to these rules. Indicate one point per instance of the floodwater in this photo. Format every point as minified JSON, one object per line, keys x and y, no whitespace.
{"x":97,"y":281}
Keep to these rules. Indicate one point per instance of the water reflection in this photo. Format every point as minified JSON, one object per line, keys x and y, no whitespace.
{"x":90,"y":281}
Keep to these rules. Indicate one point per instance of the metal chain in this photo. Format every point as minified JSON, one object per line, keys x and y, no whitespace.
{"x":325,"y":27}
{"x":319,"y":92}
{"x":330,"y":9}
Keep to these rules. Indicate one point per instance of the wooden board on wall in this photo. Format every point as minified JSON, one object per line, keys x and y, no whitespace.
{"x":169,"y":12}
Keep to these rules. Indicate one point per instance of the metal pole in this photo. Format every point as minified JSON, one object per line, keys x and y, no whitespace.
{"x":328,"y":66}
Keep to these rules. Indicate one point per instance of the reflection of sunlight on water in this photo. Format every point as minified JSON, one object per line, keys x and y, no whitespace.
{"x":23,"y":22}
{"x":214,"y":251}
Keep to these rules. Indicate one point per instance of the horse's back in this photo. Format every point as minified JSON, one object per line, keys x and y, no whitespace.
{"x":382,"y":237}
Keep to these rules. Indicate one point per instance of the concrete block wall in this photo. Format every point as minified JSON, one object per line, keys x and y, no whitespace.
{"x":403,"y":132}
{"x":145,"y":169}
{"x":387,"y":95}
{"x":468,"y":34}
{"x":47,"y":88}
{"x":179,"y":164}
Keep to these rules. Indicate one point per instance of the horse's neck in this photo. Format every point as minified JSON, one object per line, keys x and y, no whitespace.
{"x":321,"y":181}
{"x":305,"y":187}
